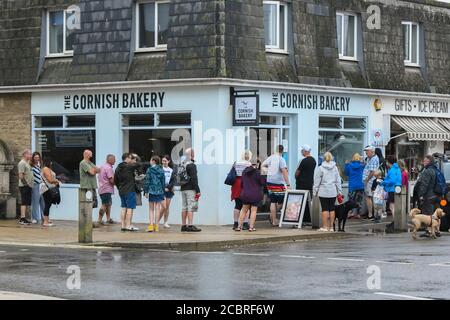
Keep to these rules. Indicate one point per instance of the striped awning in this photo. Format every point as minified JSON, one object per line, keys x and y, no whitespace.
{"x":445,"y":123}
{"x":423,"y":129}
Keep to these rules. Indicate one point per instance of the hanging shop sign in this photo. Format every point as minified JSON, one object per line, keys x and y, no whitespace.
{"x":245,"y":108}
{"x":377,"y":138}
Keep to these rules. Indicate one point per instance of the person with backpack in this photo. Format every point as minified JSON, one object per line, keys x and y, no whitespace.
{"x":354,"y":171}
{"x":187,"y":179}
{"x":392,"y":180}
{"x":426,"y":188}
{"x":154,"y":184}
{"x":50,"y":196}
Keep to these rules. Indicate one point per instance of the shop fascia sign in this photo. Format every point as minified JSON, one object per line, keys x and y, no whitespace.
{"x":245,"y":107}
{"x":422,"y":106}
{"x":311,"y":101}
{"x":109,"y":101}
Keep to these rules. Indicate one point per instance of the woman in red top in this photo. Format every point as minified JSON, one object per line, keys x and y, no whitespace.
{"x":236,"y":189}
{"x":405,"y":174}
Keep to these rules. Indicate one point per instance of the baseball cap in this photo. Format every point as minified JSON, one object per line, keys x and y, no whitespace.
{"x":306,"y":148}
{"x":369,"y":148}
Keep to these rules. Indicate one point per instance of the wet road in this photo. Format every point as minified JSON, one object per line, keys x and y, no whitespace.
{"x":305,"y":270}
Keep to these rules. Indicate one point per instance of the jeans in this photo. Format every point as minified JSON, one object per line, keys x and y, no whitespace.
{"x":37,"y":204}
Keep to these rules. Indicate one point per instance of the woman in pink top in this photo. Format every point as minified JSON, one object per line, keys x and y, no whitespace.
{"x":405,"y":174}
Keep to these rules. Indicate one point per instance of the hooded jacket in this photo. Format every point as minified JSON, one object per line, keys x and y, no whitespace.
{"x":124,"y":178}
{"x":425,"y":183}
{"x":252,"y":186}
{"x":327,"y":181}
{"x":393,"y":178}
{"x":354,"y":172}
{"x":154,"y":181}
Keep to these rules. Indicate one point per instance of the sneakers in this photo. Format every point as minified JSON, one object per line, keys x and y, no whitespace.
{"x":156,"y":227}
{"x":235,"y":225}
{"x":24,"y":221}
{"x":132,"y":229}
{"x":34,"y":221}
{"x":192,"y":229}
{"x":111,"y":221}
{"x":166,"y":225}
{"x":150,"y":228}
{"x":184,"y":228}
{"x":245,"y":226}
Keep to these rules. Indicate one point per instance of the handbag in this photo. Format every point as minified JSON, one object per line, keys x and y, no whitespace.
{"x":231,"y":176}
{"x":55,"y":195}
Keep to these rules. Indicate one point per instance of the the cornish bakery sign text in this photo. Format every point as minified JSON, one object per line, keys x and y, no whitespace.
{"x":107,"y":101}
{"x":287,"y":100}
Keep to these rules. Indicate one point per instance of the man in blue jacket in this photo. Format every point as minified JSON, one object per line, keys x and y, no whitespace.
{"x":392,"y":180}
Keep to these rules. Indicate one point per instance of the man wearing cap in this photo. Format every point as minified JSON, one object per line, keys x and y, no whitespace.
{"x":304,"y":175}
{"x":372,"y":164}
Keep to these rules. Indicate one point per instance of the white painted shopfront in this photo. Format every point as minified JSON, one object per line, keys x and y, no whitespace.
{"x":143,"y":117}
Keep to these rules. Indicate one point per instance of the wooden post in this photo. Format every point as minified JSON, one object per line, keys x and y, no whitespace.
{"x":400,"y":217}
{"x":315,"y":213}
{"x":85,"y":216}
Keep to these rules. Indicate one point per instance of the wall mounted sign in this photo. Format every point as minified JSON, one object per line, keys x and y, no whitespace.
{"x":287,"y":100}
{"x":105,"y":101}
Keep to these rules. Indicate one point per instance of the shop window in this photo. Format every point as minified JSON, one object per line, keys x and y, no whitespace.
{"x":145,"y":138}
{"x":54,"y":140}
{"x":80,"y":121}
{"x":152,"y":25}
{"x":174,"y":119}
{"x":411,"y":43}
{"x":48,"y":122}
{"x":354,"y":123}
{"x":268,"y":120}
{"x":275,"y":25}
{"x":347,"y":35}
{"x":330,"y":122}
{"x":60,"y":34}
{"x":138,"y":120}
{"x":344,"y":141}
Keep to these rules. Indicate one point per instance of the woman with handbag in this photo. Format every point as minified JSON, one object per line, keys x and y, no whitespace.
{"x":327,"y":186}
{"x":50,"y":182}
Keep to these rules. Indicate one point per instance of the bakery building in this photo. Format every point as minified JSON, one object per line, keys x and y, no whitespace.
{"x":154,"y":77}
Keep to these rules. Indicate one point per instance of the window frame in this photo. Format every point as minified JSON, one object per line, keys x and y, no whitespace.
{"x":65,"y":53}
{"x":341,"y":55}
{"x":408,"y":62}
{"x":157,"y":47}
{"x":276,"y":48}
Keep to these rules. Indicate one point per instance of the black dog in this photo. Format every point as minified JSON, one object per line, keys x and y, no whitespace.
{"x":342,"y":211}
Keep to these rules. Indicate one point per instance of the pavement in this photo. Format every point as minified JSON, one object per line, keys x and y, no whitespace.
{"x":5,"y":295}
{"x":65,"y":234}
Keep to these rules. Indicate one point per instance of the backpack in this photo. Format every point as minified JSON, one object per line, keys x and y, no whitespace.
{"x":181,"y":176}
{"x":231,"y":176}
{"x":440,"y":186}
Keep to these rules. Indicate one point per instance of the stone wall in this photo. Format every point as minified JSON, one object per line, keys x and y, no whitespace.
{"x":15,"y":128}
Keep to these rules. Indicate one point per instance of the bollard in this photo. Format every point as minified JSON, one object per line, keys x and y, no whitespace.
{"x":85,"y":216}
{"x":400,"y":214}
{"x":315,"y":213}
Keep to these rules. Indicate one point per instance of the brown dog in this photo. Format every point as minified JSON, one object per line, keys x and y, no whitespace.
{"x":432,"y":221}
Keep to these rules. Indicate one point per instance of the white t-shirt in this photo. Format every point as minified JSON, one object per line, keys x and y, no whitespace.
{"x":275,"y":164}
{"x":167,"y":174}
{"x":240,"y":166}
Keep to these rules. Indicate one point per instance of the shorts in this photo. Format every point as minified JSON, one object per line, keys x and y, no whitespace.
{"x":189,"y":204}
{"x":368,"y":189}
{"x":168,"y":194}
{"x":238,"y":204}
{"x":155,"y":198}
{"x":276,"y":192}
{"x":106,"y":198}
{"x":252,"y":204}
{"x":25,"y":195}
{"x":328,"y":204}
{"x":128,"y":201}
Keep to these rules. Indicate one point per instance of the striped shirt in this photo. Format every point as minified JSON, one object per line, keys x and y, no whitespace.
{"x":37,"y":174}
